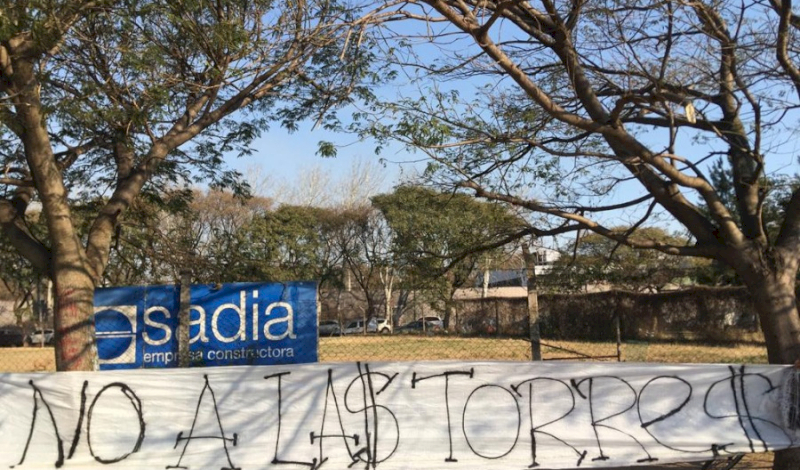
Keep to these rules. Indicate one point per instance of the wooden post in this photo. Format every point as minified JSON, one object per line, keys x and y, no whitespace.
{"x":619,"y":336}
{"x":533,"y":303}
{"x":496,"y":318}
{"x":183,"y":318}
{"x":40,"y":325}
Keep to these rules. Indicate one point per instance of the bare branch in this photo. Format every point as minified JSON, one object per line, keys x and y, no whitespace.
{"x":589,"y":224}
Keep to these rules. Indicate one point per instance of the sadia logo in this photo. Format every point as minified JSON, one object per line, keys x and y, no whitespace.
{"x":115,"y":331}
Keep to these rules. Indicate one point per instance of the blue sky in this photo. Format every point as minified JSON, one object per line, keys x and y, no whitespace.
{"x":282,"y":157}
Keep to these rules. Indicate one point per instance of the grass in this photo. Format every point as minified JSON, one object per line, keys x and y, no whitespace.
{"x":408,"y":348}
{"x":32,"y":359}
{"x":415,"y":348}
{"x":681,"y":352}
{"x":418,"y":348}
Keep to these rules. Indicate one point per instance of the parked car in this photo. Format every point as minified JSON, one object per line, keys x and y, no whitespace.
{"x":330,"y":328}
{"x":41,"y":336}
{"x":424,"y":324}
{"x":354,"y":327}
{"x":381,"y":325}
{"x":374,"y":325}
{"x":433,"y":323}
{"x":11,"y":336}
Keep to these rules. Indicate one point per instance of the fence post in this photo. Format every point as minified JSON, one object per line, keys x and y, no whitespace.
{"x":533,"y":303}
{"x":619,"y":336}
{"x":183,"y":318}
{"x":39,"y":325}
{"x":496,"y":318}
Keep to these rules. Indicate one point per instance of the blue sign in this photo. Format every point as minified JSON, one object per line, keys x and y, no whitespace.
{"x":231,"y":324}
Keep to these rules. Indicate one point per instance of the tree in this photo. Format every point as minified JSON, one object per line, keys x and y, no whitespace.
{"x":293,"y":243}
{"x":777,"y":192}
{"x":440,"y":238}
{"x":600,"y":260}
{"x":205,"y":237}
{"x":316,"y":187}
{"x":364,"y":240}
{"x":114,"y":99}
{"x":580,"y":126}
{"x":17,"y":277}
{"x":599,"y":114}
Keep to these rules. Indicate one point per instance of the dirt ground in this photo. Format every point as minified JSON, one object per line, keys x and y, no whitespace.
{"x":749,"y":462}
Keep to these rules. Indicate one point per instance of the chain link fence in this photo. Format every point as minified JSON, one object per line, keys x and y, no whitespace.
{"x":444,"y":346}
{"x":440,"y":345}
{"x":695,"y":326}
{"x":374,"y":347}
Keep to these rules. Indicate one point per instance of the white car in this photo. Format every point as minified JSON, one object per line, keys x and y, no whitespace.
{"x":374,"y":325}
{"x":41,"y":336}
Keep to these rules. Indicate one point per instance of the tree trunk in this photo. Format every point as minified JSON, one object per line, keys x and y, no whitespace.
{"x":400,"y":306}
{"x":68,"y":267}
{"x":74,"y":320}
{"x":775,"y":301}
{"x":788,"y":459}
{"x":372,"y":309}
{"x":387,"y":278}
{"x":449,"y":309}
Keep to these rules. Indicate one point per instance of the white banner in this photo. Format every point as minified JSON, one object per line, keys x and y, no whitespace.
{"x":427,"y":415}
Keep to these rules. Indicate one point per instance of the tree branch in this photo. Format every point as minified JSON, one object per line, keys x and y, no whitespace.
{"x":789,"y":236}
{"x":582,"y":222}
{"x":13,"y":226}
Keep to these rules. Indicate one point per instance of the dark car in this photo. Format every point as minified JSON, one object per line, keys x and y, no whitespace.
{"x":433,"y":323}
{"x":11,"y":336}
{"x":424,"y":324}
{"x":329,"y":328}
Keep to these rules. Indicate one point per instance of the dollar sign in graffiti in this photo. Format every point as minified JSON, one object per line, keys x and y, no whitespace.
{"x":377,"y":418}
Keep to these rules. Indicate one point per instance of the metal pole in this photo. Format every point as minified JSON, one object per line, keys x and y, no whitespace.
{"x":183,"y":318}
{"x":49,"y":302}
{"x":533,"y":304}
